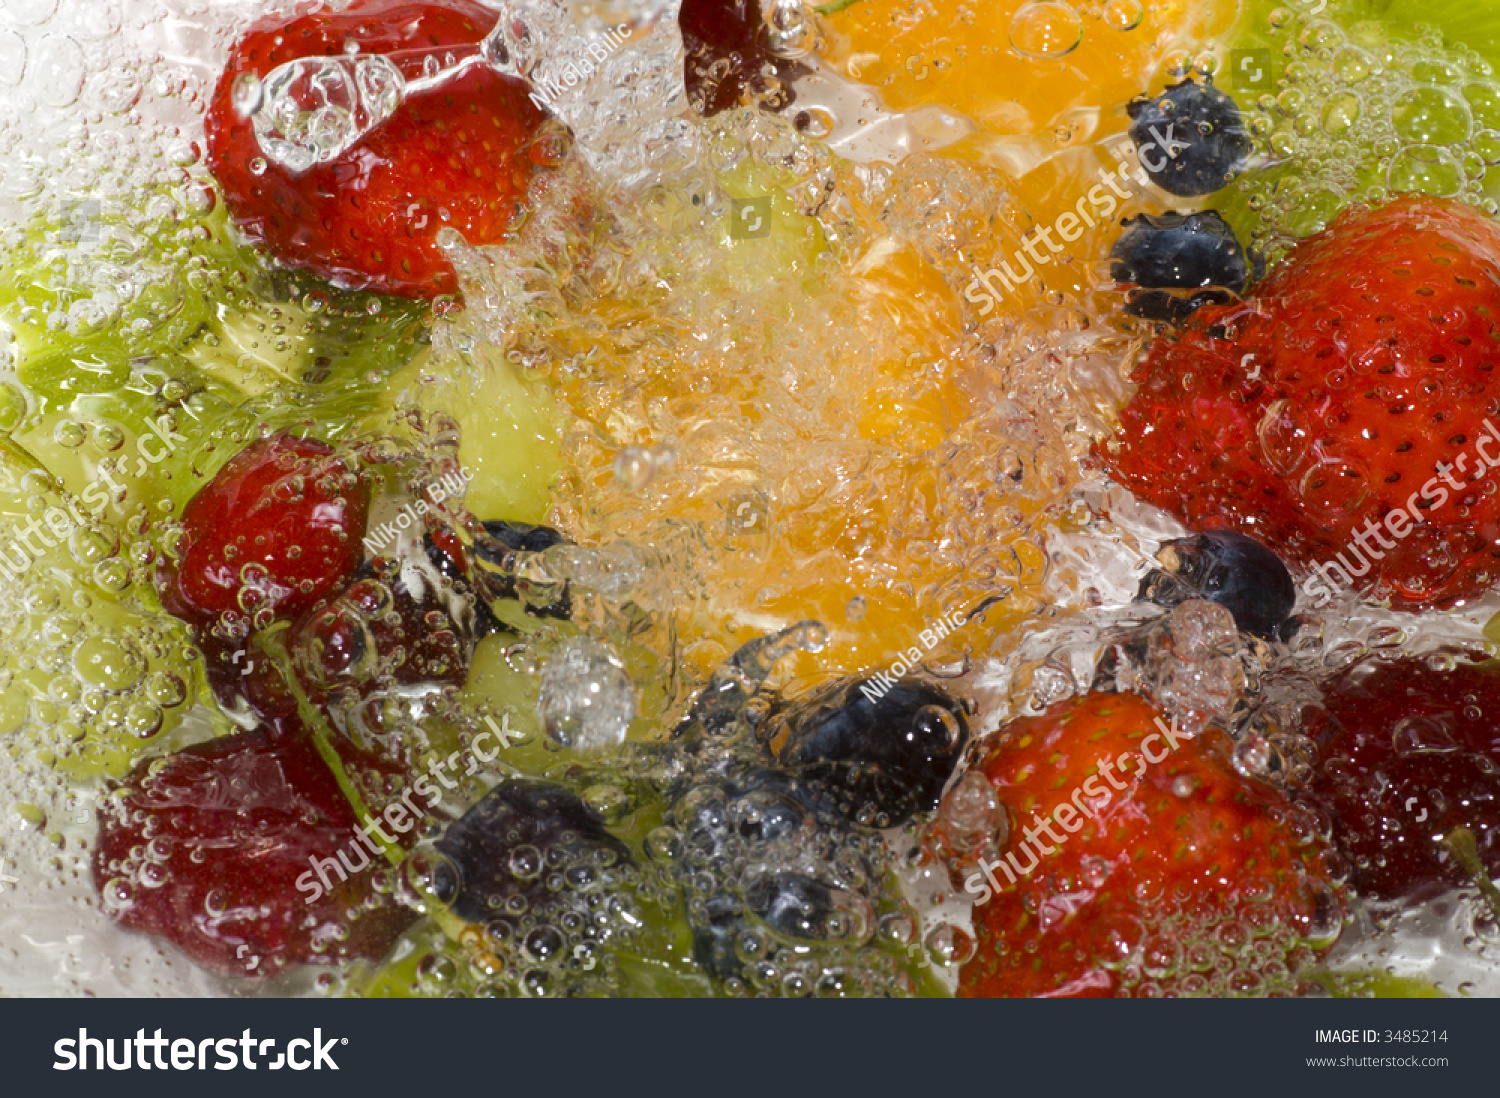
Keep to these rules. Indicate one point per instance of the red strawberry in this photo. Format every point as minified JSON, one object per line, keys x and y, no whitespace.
{"x":452,"y":156}
{"x":277,"y":529}
{"x":210,"y":849}
{"x":1343,"y":413}
{"x":1410,"y":757}
{"x":1187,"y":878}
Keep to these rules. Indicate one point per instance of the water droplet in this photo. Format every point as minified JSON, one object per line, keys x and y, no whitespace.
{"x":1045,"y":29}
{"x":587,"y":700}
{"x":1123,"y":15}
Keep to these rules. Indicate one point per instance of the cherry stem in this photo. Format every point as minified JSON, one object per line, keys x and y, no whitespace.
{"x":835,"y":7}
{"x":273,"y":644}
{"x":1465,"y":850}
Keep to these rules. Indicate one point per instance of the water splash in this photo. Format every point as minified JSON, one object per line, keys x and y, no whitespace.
{"x":625,"y":103}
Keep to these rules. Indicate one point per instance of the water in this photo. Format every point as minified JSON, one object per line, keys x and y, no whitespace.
{"x":807,"y":430}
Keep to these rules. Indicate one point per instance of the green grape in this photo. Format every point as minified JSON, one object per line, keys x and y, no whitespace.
{"x":92,"y":675}
{"x":1379,"y":985}
{"x":510,"y":430}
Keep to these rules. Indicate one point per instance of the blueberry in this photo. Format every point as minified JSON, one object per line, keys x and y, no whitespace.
{"x":501,"y":854}
{"x":455,"y":584}
{"x":794,"y":905}
{"x":715,"y":923}
{"x":496,"y":552}
{"x":1177,"y":252}
{"x":1191,"y":137}
{"x":523,"y":536}
{"x":879,"y":758}
{"x":1235,"y":571}
{"x":764,"y":850}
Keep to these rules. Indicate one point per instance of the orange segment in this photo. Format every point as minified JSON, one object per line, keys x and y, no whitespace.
{"x":844,"y":495}
{"x":968,"y":56}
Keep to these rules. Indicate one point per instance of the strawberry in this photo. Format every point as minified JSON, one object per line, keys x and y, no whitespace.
{"x":455,"y":155}
{"x":1135,"y":853}
{"x":277,"y":529}
{"x":213,"y":849}
{"x":1409,"y":771}
{"x":1343,"y":414}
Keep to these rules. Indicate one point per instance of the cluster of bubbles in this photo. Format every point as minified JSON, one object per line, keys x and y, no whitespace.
{"x":1360,"y":114}
{"x":1246,"y":949}
{"x":780,"y":901}
{"x":542,"y":919}
{"x":775,"y":407}
{"x":88,"y":673}
{"x":1049,"y":29}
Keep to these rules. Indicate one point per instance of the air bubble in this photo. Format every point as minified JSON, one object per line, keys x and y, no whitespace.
{"x":1045,"y":29}
{"x":949,"y":945}
{"x":1431,"y":116}
{"x":1123,"y":15}
{"x":111,"y":662}
{"x":69,"y":433}
{"x":587,"y":700}
{"x":1426,"y":169}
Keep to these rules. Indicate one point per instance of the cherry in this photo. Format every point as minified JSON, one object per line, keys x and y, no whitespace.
{"x":1410,"y":774}
{"x":277,"y":529}
{"x":727,"y":59}
{"x":217,"y":850}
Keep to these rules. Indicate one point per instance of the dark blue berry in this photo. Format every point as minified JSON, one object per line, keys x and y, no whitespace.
{"x":523,"y":536}
{"x":1235,"y":571}
{"x":794,"y":905}
{"x":1182,"y":252}
{"x":500,"y":855}
{"x":764,"y":818}
{"x":495,"y":553}
{"x":1191,"y":138}
{"x":879,"y":757}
